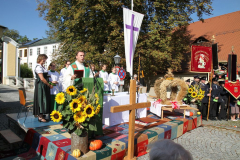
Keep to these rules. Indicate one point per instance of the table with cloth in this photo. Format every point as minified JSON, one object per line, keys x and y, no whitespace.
{"x":120,"y":98}
{"x":54,"y":142}
{"x":158,"y":108}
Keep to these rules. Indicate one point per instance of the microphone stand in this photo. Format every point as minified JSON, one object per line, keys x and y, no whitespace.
{"x":94,"y":83}
{"x":94,"y":78}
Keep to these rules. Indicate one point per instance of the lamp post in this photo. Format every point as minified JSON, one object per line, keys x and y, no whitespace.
{"x":117,"y":59}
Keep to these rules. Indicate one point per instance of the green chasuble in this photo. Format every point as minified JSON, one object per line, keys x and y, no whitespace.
{"x":89,"y":83}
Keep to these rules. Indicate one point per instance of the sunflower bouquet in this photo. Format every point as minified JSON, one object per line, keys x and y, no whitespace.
{"x":77,"y":110}
{"x":195,"y":95}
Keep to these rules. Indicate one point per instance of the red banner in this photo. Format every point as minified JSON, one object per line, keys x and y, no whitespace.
{"x":233,"y":88}
{"x":201,"y":59}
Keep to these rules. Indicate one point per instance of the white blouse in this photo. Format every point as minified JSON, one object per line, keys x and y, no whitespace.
{"x":40,"y":69}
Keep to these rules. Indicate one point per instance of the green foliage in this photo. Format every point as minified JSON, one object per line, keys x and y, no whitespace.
{"x":25,"y":72}
{"x":96,"y":27}
{"x":14,"y":34}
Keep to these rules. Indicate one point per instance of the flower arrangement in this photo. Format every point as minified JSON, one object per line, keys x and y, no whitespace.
{"x":77,"y":110}
{"x":195,"y":95}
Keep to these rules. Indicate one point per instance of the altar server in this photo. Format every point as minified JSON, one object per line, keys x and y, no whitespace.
{"x":62,"y":73}
{"x":54,"y":79}
{"x":104,"y":75}
{"x":113,"y":80}
{"x":70,"y":78}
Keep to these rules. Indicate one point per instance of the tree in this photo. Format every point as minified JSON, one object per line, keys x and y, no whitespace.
{"x":96,"y":27}
{"x":14,"y":34}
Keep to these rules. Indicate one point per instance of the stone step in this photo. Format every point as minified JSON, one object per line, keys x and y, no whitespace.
{"x":10,"y":136}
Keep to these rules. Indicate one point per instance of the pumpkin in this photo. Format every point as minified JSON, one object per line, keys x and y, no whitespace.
{"x":95,"y":145}
{"x":76,"y":153}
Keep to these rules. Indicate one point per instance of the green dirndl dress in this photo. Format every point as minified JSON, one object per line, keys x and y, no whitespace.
{"x":42,"y":100}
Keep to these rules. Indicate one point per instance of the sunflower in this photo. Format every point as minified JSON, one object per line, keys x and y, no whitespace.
{"x":84,"y":90}
{"x":97,"y":109}
{"x":60,"y":99}
{"x":79,"y":117}
{"x":194,"y":94}
{"x":89,"y":110}
{"x":200,"y":91}
{"x":82,"y":99}
{"x":190,"y":90}
{"x":199,"y":97}
{"x":75,"y":105}
{"x":97,"y":101}
{"x":56,"y":116}
{"x":96,"y":95}
{"x":71,"y":90}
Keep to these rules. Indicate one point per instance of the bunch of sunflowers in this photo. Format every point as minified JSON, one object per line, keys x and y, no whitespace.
{"x":195,"y":95}
{"x":77,"y":110}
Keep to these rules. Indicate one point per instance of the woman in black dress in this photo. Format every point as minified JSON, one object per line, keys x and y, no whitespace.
{"x":42,"y":89}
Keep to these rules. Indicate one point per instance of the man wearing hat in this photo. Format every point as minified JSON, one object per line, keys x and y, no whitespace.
{"x":223,"y":100}
{"x":204,"y":103}
{"x":196,"y":80}
{"x":214,"y":99}
{"x":187,"y":82}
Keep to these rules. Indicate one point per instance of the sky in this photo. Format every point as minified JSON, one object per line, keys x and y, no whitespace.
{"x":21,"y":15}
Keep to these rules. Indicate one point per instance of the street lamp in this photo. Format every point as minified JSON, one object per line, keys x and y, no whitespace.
{"x":117,"y":59}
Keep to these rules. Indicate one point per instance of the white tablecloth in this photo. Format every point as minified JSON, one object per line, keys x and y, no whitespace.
{"x":157,"y":109}
{"x":120,"y":98}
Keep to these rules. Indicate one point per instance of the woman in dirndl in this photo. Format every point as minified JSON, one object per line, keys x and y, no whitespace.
{"x":41,"y":104}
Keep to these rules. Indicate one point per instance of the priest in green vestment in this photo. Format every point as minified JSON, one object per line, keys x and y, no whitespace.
{"x":71,"y":79}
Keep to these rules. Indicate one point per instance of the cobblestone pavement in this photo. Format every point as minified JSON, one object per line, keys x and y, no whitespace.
{"x":216,"y":140}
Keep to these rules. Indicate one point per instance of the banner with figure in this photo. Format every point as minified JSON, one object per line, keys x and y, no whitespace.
{"x":201,"y":59}
{"x":132,"y":23}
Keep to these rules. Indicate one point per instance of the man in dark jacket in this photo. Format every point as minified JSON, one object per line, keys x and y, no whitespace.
{"x":223,"y":100}
{"x":196,"y":80}
{"x":214,"y":100}
{"x":204,"y":103}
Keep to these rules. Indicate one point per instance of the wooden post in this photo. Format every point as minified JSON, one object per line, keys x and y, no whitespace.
{"x":131,"y":107}
{"x":211,"y":75}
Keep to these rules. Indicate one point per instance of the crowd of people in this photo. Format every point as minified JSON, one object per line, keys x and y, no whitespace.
{"x":219,"y":98}
{"x":49,"y":82}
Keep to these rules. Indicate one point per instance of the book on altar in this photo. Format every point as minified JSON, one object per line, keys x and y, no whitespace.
{"x":78,"y":73}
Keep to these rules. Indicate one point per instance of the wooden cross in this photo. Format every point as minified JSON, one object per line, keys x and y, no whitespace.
{"x":131,"y":107}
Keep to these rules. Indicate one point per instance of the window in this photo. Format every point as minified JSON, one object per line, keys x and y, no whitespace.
{"x":30,"y":65}
{"x":38,"y":51}
{"x":20,"y":53}
{"x":25,"y":52}
{"x":30,"y":52}
{"x":45,"y":50}
{"x":54,"y":49}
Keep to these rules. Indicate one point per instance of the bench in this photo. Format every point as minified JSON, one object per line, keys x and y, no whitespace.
{"x":169,"y":108}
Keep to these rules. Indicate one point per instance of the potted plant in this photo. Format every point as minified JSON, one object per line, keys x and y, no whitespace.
{"x":77,"y":110}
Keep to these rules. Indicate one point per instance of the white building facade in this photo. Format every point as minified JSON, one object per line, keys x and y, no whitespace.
{"x":44,"y":46}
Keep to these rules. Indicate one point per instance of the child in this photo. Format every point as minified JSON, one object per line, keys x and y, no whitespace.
{"x":54,"y":79}
{"x":114,"y":80}
{"x":104,"y":75}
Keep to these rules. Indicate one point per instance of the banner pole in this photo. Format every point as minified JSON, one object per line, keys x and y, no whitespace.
{"x":210,"y":90}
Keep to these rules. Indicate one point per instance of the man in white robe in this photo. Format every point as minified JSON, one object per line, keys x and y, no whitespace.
{"x":104,"y":75}
{"x":70,"y":78}
{"x":62,"y":73}
{"x":113,"y":80}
